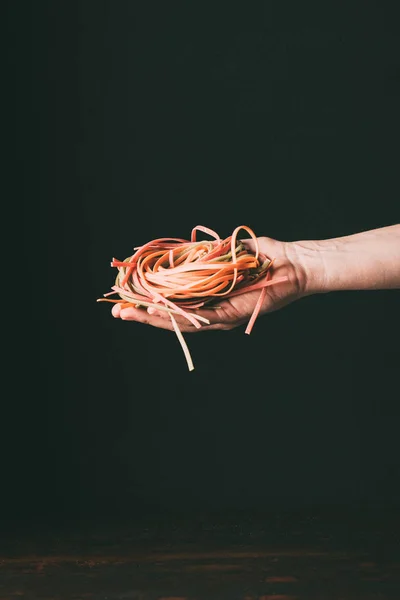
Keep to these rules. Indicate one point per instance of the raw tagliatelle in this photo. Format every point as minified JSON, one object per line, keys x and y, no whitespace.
{"x":180,"y":276}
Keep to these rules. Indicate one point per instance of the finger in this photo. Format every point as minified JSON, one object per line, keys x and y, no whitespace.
{"x":163,"y":314}
{"x":265,"y":245}
{"x":142,"y":316}
{"x":250,"y":244}
{"x":116,"y":309}
{"x":213,"y":316}
{"x":208,"y":317}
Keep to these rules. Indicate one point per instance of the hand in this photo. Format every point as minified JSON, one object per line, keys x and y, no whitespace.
{"x":237,"y":310}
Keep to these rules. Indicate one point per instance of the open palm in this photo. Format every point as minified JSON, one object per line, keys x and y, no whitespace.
{"x":237,"y":310}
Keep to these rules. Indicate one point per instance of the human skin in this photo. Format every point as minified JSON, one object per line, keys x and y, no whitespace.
{"x":369,"y":260}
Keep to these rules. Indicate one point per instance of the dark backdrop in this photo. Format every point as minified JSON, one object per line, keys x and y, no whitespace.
{"x":135,"y":120}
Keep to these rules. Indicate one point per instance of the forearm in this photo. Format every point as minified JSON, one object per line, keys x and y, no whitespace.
{"x":363,"y":261}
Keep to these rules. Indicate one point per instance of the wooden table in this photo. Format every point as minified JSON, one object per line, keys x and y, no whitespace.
{"x":269,"y":556}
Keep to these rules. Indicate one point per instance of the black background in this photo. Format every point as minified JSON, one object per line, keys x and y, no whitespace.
{"x":136,"y":120}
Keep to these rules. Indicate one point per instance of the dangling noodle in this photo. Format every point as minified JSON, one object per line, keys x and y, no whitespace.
{"x":180,"y":276}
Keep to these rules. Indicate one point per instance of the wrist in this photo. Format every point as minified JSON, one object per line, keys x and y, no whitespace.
{"x":307,"y":260}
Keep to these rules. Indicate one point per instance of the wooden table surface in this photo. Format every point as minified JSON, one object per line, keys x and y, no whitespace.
{"x":228,"y":557}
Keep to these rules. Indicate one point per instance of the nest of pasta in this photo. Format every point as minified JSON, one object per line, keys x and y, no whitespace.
{"x":182,"y":276}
